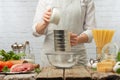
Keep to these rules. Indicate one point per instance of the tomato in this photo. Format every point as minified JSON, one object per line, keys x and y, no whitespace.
{"x":2,"y":64}
{"x":9,"y":64}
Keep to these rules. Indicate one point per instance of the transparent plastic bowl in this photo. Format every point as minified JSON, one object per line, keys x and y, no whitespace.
{"x":62,"y":59}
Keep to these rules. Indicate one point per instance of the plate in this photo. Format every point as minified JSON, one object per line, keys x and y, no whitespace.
{"x":16,"y":72}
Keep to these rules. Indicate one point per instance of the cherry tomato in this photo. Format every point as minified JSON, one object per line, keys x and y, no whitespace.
{"x":9,"y":64}
{"x":2,"y":64}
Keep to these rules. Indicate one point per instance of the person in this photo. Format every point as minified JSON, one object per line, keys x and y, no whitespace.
{"x":77,"y":16}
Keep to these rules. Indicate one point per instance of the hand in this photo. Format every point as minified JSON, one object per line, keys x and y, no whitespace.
{"x":47,"y":15}
{"x":74,"y":39}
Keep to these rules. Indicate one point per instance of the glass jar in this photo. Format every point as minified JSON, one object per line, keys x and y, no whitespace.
{"x":98,"y":52}
{"x":29,"y":56}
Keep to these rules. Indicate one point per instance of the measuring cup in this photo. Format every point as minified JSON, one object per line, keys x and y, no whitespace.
{"x":55,"y":17}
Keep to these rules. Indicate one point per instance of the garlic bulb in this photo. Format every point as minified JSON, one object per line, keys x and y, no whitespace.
{"x":116,"y":67}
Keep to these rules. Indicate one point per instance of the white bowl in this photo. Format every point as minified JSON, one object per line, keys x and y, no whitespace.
{"x":62,"y":59}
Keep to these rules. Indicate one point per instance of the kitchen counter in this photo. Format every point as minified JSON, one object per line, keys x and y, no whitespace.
{"x":75,"y":73}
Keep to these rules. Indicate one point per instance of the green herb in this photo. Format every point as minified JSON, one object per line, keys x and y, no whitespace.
{"x":118,"y":71}
{"x":10,"y":55}
{"x":5,"y":69}
{"x":94,"y":69}
{"x":37,"y":70}
{"x":118,"y":56}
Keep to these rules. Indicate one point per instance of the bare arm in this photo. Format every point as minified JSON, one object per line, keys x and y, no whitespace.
{"x":40,"y":27}
{"x":41,"y":19}
{"x":75,"y":39}
{"x":83,"y":38}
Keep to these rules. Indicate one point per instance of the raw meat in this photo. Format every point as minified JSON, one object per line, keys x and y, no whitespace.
{"x":25,"y":67}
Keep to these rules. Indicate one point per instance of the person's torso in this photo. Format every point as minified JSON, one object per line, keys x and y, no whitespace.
{"x":72,"y":19}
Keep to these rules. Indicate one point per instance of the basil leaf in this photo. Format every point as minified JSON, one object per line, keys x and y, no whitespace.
{"x":5,"y":69}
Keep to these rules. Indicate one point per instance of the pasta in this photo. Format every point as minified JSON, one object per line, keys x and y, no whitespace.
{"x":102,"y":37}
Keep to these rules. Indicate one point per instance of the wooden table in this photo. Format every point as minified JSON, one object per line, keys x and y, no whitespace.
{"x":30,"y":76}
{"x":52,"y":73}
{"x":75,"y":73}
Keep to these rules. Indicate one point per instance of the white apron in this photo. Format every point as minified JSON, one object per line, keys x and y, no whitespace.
{"x":72,"y":18}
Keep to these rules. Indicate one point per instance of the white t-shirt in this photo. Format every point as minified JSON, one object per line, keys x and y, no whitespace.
{"x":77,"y":16}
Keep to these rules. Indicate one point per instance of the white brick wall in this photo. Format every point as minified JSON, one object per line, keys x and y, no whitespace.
{"x":107,"y":16}
{"x":16,"y":22}
{"x":16,"y":18}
